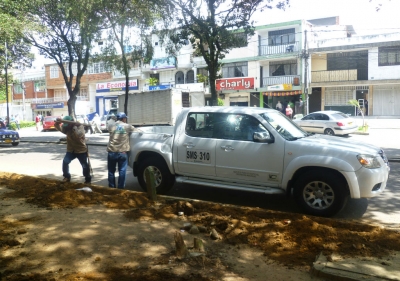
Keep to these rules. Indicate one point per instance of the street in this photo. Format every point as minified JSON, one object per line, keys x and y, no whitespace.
{"x":37,"y":158}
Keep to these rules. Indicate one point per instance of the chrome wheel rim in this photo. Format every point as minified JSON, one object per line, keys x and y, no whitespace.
{"x":157,"y":175}
{"x":329,"y":132}
{"x":318,"y":195}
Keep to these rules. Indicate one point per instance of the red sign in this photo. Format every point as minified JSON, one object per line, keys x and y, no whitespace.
{"x":239,"y":83}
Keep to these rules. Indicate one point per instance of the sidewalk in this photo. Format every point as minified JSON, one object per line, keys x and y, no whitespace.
{"x":366,"y":269}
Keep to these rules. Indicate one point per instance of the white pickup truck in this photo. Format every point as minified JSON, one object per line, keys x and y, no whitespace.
{"x":259,"y":150}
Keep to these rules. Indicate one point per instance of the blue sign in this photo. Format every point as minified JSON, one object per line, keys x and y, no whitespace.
{"x":159,"y":87}
{"x":50,"y":105}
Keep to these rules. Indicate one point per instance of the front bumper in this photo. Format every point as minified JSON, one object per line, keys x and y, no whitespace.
{"x":7,"y":141}
{"x":372,"y":181}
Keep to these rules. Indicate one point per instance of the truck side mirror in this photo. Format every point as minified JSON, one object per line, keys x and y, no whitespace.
{"x":264,"y":137}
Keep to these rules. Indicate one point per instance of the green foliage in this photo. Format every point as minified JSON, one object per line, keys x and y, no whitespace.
{"x":356,"y":104}
{"x":65,"y":32}
{"x":202,"y":79}
{"x":220,"y":102}
{"x":152,"y":81}
{"x":214,"y":27}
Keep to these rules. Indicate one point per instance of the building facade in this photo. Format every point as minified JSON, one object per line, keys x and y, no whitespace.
{"x":364,"y":68}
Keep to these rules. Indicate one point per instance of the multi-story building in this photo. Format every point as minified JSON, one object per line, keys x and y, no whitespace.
{"x":28,"y":89}
{"x":264,"y":70}
{"x":345,"y":66}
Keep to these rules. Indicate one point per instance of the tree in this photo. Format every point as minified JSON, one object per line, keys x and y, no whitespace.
{"x":65,"y":32}
{"x":12,"y":22}
{"x":359,"y":109}
{"x":214,"y":27}
{"x":128,"y":21}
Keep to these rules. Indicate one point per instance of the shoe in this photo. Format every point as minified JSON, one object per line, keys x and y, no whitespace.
{"x":66,"y":180}
{"x":88,"y":182}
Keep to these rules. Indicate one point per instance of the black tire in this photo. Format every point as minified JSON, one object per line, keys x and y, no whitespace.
{"x":164,"y":180}
{"x":320,"y":193}
{"x":329,"y":131}
{"x":15,"y":143}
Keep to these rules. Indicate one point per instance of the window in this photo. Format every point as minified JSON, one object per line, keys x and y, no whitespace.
{"x":223,"y":126}
{"x":40,"y":86}
{"x":190,"y":76}
{"x":53,"y":71}
{"x":179,"y":78}
{"x":280,"y":68}
{"x":98,"y":67}
{"x":60,"y":95}
{"x":83,"y":94}
{"x":389,"y":56}
{"x":281,"y":37}
{"x":74,"y":69}
{"x":18,"y":89}
{"x":236,"y":69}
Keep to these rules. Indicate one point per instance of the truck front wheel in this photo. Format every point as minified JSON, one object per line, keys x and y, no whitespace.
{"x":320,"y":193}
{"x":163,"y":179}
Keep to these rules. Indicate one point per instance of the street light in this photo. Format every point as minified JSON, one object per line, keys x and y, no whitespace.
{"x":6,"y":66}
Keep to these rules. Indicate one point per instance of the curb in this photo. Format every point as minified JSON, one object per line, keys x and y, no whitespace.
{"x":366,"y":269}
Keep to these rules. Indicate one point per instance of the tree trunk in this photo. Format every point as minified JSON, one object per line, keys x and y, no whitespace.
{"x":181,"y":249}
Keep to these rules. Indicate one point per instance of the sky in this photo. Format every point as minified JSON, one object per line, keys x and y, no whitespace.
{"x":359,"y":13}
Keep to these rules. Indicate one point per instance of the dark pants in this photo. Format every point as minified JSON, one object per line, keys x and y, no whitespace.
{"x":82,"y":157}
{"x":114,"y":159}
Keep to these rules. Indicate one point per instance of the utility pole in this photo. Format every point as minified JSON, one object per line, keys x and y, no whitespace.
{"x":305,"y":55}
{"x":6,"y":71}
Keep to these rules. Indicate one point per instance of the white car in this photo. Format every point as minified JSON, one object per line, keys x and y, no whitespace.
{"x":328,"y":123}
{"x":103,"y":123}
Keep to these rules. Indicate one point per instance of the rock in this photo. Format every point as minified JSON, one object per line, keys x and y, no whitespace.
{"x":187,"y":226}
{"x":214,"y":234}
{"x":194,"y":230}
{"x":202,"y":228}
{"x":21,"y":231}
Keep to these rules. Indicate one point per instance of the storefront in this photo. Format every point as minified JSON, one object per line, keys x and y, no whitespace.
{"x":107,"y":94}
{"x":236,"y":91}
{"x":49,"y":109}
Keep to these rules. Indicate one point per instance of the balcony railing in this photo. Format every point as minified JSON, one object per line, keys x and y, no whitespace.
{"x":275,"y":80}
{"x":279,"y":49}
{"x":334,"y":75}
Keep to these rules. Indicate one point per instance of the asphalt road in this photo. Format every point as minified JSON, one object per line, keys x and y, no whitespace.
{"x":38,"y":155}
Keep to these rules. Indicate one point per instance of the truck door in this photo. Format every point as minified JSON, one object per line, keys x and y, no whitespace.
{"x":240,"y":159}
{"x":196,"y":146}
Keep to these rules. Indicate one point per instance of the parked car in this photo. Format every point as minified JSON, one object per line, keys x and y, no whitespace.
{"x":8,"y":136}
{"x":103,"y":123}
{"x":48,"y":123}
{"x":328,"y":123}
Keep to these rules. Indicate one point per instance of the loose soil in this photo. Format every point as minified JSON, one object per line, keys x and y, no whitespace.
{"x":49,"y":230}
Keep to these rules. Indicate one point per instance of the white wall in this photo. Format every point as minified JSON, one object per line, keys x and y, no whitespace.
{"x":380,"y":72}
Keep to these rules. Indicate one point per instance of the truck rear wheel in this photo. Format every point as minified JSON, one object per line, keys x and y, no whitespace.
{"x":164,"y":180}
{"x":320,"y":193}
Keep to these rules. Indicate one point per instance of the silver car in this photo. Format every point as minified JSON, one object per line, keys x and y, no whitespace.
{"x":328,"y":122}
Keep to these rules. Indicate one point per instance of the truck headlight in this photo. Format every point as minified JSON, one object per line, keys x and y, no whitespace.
{"x":368,"y":161}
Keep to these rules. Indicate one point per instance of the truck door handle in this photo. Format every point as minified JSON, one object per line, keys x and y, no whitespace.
{"x":189,"y":144}
{"x":227,"y":148}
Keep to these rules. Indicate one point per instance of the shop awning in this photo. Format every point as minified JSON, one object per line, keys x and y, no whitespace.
{"x":282,"y":94}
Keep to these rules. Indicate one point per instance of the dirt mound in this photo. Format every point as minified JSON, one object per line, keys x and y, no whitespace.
{"x":290,"y":239}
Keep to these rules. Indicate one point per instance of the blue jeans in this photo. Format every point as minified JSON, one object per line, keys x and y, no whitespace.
{"x":114,"y":158}
{"x":82,"y":157}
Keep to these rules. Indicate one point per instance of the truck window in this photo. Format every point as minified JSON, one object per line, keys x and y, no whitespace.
{"x":223,"y":126}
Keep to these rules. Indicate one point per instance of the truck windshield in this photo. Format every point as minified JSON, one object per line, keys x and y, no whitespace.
{"x":285,"y":127}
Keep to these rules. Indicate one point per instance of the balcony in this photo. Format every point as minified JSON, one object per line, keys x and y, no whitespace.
{"x":276,"y":80}
{"x":265,"y":50}
{"x":334,"y":75}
